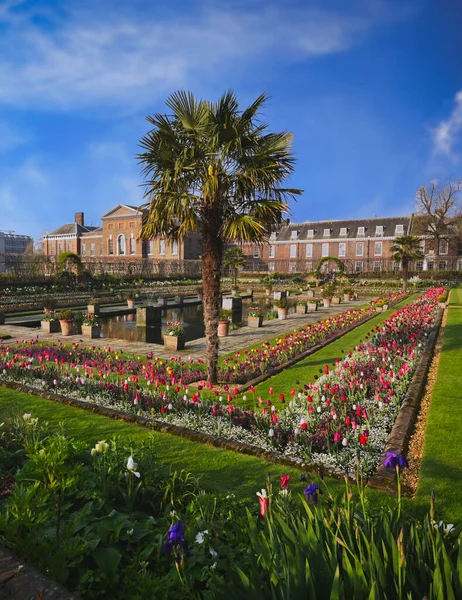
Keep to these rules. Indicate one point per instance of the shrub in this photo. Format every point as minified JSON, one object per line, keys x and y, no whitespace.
{"x":442,"y":298}
{"x":66,"y":315}
{"x":284,"y":303}
{"x":174,"y":328}
{"x":225,"y":314}
{"x":255,"y":311}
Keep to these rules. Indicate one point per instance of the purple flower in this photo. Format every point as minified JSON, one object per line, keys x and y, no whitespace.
{"x":393,"y":460}
{"x":175,"y":538}
{"x":312,"y":492}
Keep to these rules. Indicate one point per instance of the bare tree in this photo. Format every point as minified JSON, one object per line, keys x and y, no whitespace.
{"x":438,"y":213}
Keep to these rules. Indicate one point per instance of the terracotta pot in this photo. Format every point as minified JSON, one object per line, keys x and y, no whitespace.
{"x":346,"y":297}
{"x":131,"y":303}
{"x":335,"y":300}
{"x":326,"y":302}
{"x":174,"y":342}
{"x":223,"y":328}
{"x":67,"y":327}
{"x":49,"y":326}
{"x":300,"y":309}
{"x":255,"y":321}
{"x":282,"y":313}
{"x":91,"y":331}
{"x":93,"y":309}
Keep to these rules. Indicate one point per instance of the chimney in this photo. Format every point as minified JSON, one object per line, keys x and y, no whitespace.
{"x":79,"y":218}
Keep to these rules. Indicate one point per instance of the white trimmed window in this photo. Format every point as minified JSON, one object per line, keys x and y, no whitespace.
{"x":309,"y":265}
{"x":326,"y":233}
{"x":359,"y":266}
{"x":361,"y":231}
{"x":121,"y":245}
{"x":132,"y":245}
{"x":377,"y":266}
{"x":256,"y":252}
{"x":293,"y":267}
{"x":342,"y":249}
{"x":110,"y":245}
{"x":310,"y":233}
{"x":442,"y":265}
{"x":92,"y":249}
{"x":83,"y":251}
{"x":396,"y":266}
{"x":162,"y":247}
{"x":378,"y":249}
{"x":399,"y":229}
{"x":150,"y":247}
{"x":294,"y":235}
{"x":293,"y":251}
{"x":309,"y":250}
{"x":272,"y":252}
{"x":271,"y":267}
{"x":444,"y":246}
{"x":419,"y":265}
{"x":359,"y":249}
{"x":325,"y":250}
{"x":379,"y":230}
{"x":175,"y":248}
{"x":343,"y":231}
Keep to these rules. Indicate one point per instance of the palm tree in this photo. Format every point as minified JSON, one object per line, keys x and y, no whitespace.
{"x":405,"y":249}
{"x":233,"y":259}
{"x":215,"y":169}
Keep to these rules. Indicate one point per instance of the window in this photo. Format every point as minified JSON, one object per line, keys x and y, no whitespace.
{"x":309,"y":250}
{"x":110,"y":245}
{"x":325,"y":250}
{"x":150,"y":247}
{"x":92,"y":249}
{"x":379,"y":230}
{"x":69,"y":247}
{"x":270,"y":266}
{"x":84,"y":250}
{"x":342,"y":249}
{"x":162,"y":247}
{"x":293,"y":250}
{"x":395,"y":266}
{"x":419,"y":265}
{"x":361,"y":231}
{"x":309,"y":265}
{"x":343,"y":231}
{"x":121,"y":245}
{"x":294,"y":235}
{"x":110,"y":226}
{"x":443,"y":265}
{"x":52,"y":248}
{"x":174,"y":247}
{"x":132,"y":224}
{"x":121,"y":225}
{"x":273,"y":235}
{"x":60,"y":248}
{"x":377,"y":266}
{"x":378,"y":249}
{"x":359,"y":266}
{"x":272,"y":252}
{"x":399,"y":229}
{"x":326,"y":233}
{"x":132,"y":245}
{"x":444,"y":246}
{"x":293,"y":267}
{"x":430,"y":265}
{"x":359,"y":248}
{"x":101,"y":249}
{"x":310,"y":233}
{"x":256,"y":252}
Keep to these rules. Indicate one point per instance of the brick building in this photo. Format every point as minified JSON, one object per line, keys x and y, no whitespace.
{"x":363,"y":246}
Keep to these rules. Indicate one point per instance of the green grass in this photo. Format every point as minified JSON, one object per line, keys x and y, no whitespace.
{"x":441,"y":469}
{"x":305,"y":370}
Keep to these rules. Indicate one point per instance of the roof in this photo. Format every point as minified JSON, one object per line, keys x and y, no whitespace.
{"x":334,"y":226}
{"x":72,"y":229}
{"x":134,"y":209}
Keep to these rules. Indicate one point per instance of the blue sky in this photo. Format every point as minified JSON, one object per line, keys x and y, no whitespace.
{"x":371,"y":89}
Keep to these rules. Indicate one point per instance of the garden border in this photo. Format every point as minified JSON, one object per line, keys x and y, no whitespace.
{"x":384,"y":479}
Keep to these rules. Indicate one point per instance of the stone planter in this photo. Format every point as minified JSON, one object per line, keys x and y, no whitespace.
{"x":67,"y":327}
{"x":131,"y":303}
{"x":255,"y":321}
{"x":346,"y":297}
{"x":49,"y":326}
{"x":223,"y":328}
{"x":312,"y":306}
{"x":93,"y":309}
{"x":379,"y":309}
{"x":310,"y":294}
{"x":282,"y":313}
{"x":279,"y":295}
{"x":336,"y":300}
{"x":440,"y":304}
{"x":91,"y":331}
{"x":300,"y":309}
{"x":231,"y":303}
{"x":174,"y":342}
{"x":326,"y":302}
{"x":147,"y":314}
{"x":385,"y":307}
{"x":234,"y":293}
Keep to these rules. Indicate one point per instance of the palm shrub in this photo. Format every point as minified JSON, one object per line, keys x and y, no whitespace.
{"x":214,"y":169}
{"x":233,"y":259}
{"x":406,"y":249}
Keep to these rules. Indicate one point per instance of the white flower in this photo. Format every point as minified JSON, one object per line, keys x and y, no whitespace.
{"x":214,"y":554}
{"x":170,"y":406}
{"x":244,"y":397}
{"x":200,"y":536}
{"x":100,"y":447}
{"x":271,"y":432}
{"x":132,"y":466}
{"x":262,"y":494}
{"x":26,"y":416}
{"x":344,"y":442}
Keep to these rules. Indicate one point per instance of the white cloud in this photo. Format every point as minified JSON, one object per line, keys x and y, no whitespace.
{"x":448,"y":134}
{"x":114,"y":59}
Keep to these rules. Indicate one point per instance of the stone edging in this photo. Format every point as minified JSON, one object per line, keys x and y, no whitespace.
{"x":398,"y":440}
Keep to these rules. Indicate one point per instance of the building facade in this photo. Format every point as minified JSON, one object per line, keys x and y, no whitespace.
{"x":11,"y":243}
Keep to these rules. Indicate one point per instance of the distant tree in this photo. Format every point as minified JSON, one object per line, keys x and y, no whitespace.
{"x":406,"y":249}
{"x":233,"y":259}
{"x":438,"y":213}
{"x":69,"y":261}
{"x":215,"y":169}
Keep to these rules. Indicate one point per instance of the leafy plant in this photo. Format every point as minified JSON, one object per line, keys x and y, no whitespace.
{"x":174,"y":328}
{"x":225,"y":314}
{"x":66,"y":315}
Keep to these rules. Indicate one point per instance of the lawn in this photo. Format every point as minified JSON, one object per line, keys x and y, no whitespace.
{"x":442,"y":460}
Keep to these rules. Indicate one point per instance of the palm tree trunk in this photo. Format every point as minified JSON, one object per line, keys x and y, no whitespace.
{"x":211,"y":258}
{"x":235,"y":276}
{"x":405,"y":274}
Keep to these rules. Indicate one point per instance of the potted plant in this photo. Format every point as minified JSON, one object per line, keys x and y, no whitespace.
{"x":268,"y":289}
{"x":49,"y":322}
{"x":90,"y":326}
{"x":271,"y":314}
{"x":347,"y":293}
{"x":312,"y":305}
{"x":255,"y":317}
{"x":174,"y":336}
{"x":379,"y":306}
{"x":130,"y":298}
{"x":442,"y":299}
{"x":94,"y":306}
{"x":327,"y":295}
{"x":282,"y":307}
{"x":223,"y":323}
{"x":300,"y":309}
{"x":49,"y":305}
{"x":310,"y":294}
{"x":66,"y":320}
{"x":235,"y":290}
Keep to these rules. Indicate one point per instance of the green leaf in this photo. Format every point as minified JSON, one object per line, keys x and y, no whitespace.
{"x":108,"y":560}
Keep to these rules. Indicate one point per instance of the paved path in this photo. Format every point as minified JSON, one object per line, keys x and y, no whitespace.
{"x":238,"y":339}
